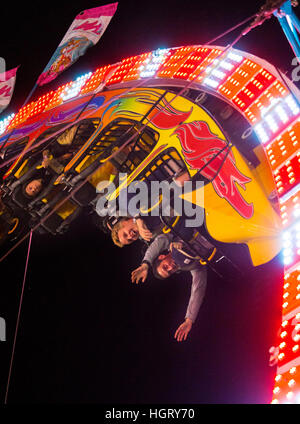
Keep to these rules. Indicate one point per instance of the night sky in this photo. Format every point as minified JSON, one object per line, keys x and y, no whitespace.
{"x":87,"y":335}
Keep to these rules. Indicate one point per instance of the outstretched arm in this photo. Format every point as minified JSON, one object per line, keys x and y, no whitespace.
{"x":140,"y":274}
{"x":197,"y":295}
{"x":159,"y":244}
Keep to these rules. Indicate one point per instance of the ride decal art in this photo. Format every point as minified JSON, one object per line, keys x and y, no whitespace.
{"x":208,"y":154}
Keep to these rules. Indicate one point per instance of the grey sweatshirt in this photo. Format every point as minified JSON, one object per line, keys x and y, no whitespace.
{"x":199,"y":274}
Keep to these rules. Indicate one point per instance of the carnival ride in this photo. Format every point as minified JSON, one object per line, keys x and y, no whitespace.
{"x":217,"y":112}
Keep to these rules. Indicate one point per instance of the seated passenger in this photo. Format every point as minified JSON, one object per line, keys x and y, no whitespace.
{"x":146,"y":226}
{"x":8,"y":222}
{"x":32,"y":188}
{"x":197,"y":250}
{"x":127,"y":230}
{"x":42,"y":176}
{"x":39,"y":180}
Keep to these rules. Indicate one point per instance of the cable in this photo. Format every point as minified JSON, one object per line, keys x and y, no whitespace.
{"x":18,"y":320}
{"x":231,"y":29}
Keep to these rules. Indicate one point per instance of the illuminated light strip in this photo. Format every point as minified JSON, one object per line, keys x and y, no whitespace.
{"x":255,"y":86}
{"x":291,"y":314}
{"x":288,"y":345}
{"x":292,"y":104}
{"x":272,"y":129}
{"x":291,"y":296}
{"x":153,"y":63}
{"x":21,"y":116}
{"x":287,"y":174}
{"x":287,"y":380}
{"x":290,"y":209}
{"x":289,"y":337}
{"x":224,"y":64}
{"x":177,"y":58}
{"x":210,"y":54}
{"x":238,"y":79}
{"x":275,"y":91}
{"x":5,"y":122}
{"x":211,"y":82}
{"x":292,"y":268}
{"x":221,"y":69}
{"x":287,"y":383}
{"x":235,"y":57}
{"x":282,"y":114}
{"x":132,"y":72}
{"x":190,"y":65}
{"x":290,"y":193}
{"x":271,"y":123}
{"x":74,"y":89}
{"x":291,"y":244}
{"x":284,"y":146}
{"x":277,"y":105}
{"x":209,"y":63}
{"x":95,"y":79}
{"x":261,"y":133}
{"x":288,"y":366}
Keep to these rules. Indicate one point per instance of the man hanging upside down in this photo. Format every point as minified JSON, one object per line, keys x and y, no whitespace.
{"x":167,"y":256}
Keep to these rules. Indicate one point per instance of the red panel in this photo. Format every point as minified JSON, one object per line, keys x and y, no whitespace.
{"x":288,"y":175}
{"x":191,"y":63}
{"x":284,"y":146}
{"x":254,"y":88}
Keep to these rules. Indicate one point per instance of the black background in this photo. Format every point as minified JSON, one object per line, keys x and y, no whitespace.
{"x":87,"y":335}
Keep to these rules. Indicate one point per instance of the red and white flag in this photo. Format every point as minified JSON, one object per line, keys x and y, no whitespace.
{"x":7,"y":84}
{"x":84,"y":32}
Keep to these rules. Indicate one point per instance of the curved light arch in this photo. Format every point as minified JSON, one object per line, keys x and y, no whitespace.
{"x":269,"y":102}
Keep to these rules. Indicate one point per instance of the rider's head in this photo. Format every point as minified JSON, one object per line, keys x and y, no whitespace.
{"x":125,"y":232}
{"x":33,"y":187}
{"x":164,"y":266}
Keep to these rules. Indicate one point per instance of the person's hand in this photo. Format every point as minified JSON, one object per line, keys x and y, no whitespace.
{"x":46,"y":158}
{"x":144,"y":232}
{"x":176,"y":245}
{"x":59,"y":179}
{"x":45,"y":162}
{"x":183,"y":330}
{"x":46,"y":153}
{"x":140,"y":274}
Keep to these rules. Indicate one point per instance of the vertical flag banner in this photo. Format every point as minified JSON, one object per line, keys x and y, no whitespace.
{"x":84,"y":32}
{"x":7,"y":84}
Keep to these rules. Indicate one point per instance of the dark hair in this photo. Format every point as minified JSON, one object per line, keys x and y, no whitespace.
{"x":155,"y":265}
